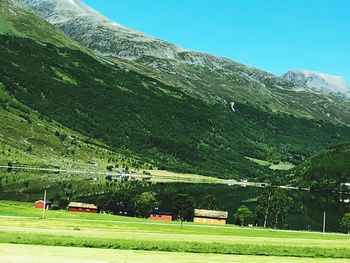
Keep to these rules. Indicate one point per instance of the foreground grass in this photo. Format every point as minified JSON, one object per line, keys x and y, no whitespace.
{"x":112,"y":232}
{"x":10,"y":253}
{"x":174,"y":246}
{"x":64,"y":219}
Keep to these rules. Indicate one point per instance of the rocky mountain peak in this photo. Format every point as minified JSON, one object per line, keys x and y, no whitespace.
{"x":321,"y":82}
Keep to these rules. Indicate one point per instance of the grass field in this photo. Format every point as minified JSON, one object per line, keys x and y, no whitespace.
{"x":20,"y":224}
{"x":281,"y":166}
{"x":167,"y":176}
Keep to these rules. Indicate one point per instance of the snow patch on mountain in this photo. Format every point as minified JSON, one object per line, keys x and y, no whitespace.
{"x":199,"y":74}
{"x":98,"y":32}
{"x":319,"y":82}
{"x":61,"y":11}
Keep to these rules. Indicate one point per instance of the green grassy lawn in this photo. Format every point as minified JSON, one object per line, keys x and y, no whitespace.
{"x":260,"y":162}
{"x":61,"y":228}
{"x":282,"y":166}
{"x":101,"y":221}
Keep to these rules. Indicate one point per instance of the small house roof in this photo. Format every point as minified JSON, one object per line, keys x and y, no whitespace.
{"x":42,"y":201}
{"x":210,"y":214}
{"x":82,"y":205}
{"x":160,"y":213}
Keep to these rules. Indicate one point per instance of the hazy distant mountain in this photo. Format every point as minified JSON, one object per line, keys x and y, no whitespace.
{"x":325,"y":83}
{"x":214,"y":78}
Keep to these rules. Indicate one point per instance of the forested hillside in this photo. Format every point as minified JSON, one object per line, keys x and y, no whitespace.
{"x":328,"y":169}
{"x":28,"y":138}
{"x":168,"y":128}
{"x":138,"y":119}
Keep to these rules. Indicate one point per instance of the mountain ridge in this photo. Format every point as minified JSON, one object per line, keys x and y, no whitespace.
{"x":321,"y":82}
{"x":14,"y":13}
{"x":129,"y":111}
{"x":203,"y":75}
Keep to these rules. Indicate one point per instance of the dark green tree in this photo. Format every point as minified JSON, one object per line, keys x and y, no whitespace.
{"x":109,"y":168}
{"x":345,"y":222}
{"x":145,"y":203}
{"x":104,"y":203}
{"x":120,"y":198}
{"x":183,"y":207}
{"x":209,"y":202}
{"x":243,"y":215}
{"x":273,"y":202}
{"x":264,"y":206}
{"x":9,"y":166}
{"x":279,"y":205}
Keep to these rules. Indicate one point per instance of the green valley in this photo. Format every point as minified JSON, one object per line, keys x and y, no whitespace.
{"x":116,"y":146}
{"x":135,"y":115}
{"x":77,"y":230}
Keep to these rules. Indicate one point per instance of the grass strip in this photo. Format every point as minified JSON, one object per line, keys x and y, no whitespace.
{"x":173,"y":246}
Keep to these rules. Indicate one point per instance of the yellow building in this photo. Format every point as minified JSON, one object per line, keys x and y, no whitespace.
{"x":210,"y":217}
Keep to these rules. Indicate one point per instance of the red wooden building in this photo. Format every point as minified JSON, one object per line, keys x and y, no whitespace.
{"x":82,"y":207}
{"x":160,"y":216}
{"x":40,"y":204}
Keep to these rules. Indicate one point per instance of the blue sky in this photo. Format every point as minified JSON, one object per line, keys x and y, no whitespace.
{"x":273,"y":35}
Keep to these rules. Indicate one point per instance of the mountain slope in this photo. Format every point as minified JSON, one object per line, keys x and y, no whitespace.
{"x":75,"y":14}
{"x":203,"y":75}
{"x":133,"y":113}
{"x":320,"y":82}
{"x":28,"y":138}
{"x":328,"y":169}
{"x":16,"y":20}
{"x":167,"y":127}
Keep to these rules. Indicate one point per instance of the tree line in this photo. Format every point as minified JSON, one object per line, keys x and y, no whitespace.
{"x":271,"y":210}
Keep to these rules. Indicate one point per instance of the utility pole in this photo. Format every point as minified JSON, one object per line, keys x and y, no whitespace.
{"x":44,"y":208}
{"x":324,"y":222}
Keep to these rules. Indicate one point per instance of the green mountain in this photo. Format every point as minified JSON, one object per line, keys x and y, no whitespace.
{"x":21,"y":22}
{"x":209,"y":77}
{"x":155,"y":121}
{"x":30,"y":138}
{"x":326,"y":170}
